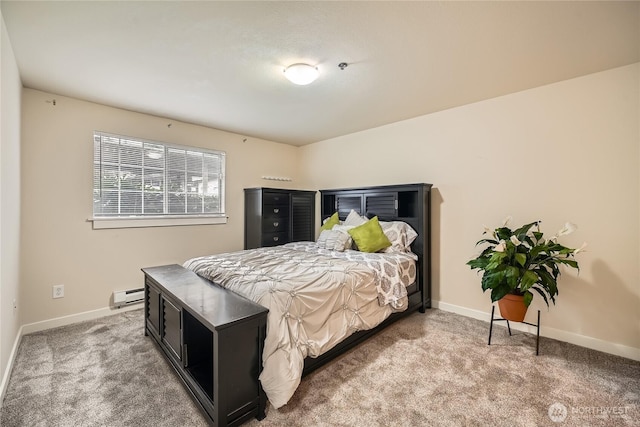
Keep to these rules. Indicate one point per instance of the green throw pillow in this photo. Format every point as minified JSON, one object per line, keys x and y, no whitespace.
{"x":369,"y":236}
{"x":333,"y":220}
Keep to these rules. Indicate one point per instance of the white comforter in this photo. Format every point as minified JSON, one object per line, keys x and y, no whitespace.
{"x":314,"y":302}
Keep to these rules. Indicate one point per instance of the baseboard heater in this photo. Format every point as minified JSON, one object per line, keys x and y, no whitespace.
{"x":128,"y":297}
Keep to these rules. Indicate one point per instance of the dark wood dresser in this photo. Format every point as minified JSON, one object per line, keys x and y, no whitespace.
{"x":213,"y":339}
{"x":275,"y":216}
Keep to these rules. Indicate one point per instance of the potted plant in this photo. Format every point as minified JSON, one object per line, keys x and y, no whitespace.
{"x":516,"y":262}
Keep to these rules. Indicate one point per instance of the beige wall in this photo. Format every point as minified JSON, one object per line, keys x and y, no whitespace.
{"x":59,"y":245}
{"x":567,"y":151}
{"x":563,"y":152}
{"x":10,"y":87}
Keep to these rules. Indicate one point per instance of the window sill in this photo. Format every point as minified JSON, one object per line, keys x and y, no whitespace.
{"x":139,"y":222}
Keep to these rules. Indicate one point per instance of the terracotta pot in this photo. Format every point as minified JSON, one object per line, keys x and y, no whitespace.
{"x":512,"y":307}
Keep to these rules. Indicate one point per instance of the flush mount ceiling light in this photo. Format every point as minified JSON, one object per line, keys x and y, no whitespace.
{"x":301,"y":74}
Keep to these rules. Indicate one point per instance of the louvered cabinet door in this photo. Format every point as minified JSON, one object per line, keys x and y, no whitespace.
{"x":382,"y":205}
{"x":171,"y":332}
{"x":344,"y":205}
{"x":303,"y":209}
{"x":152,"y":309}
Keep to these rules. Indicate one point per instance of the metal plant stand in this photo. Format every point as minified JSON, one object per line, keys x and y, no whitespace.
{"x":493,"y":309}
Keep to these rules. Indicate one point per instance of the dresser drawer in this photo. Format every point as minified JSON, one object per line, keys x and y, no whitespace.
{"x":275,"y":199}
{"x":274,"y":225}
{"x":275,"y":212}
{"x":274,"y":239}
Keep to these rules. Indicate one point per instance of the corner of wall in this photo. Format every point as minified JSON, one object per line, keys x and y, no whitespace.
{"x":10,"y":183}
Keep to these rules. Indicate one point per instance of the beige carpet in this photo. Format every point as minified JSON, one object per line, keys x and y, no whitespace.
{"x":432,"y":369}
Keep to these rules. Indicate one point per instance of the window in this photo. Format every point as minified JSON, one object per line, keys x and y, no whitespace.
{"x":135,"y":179}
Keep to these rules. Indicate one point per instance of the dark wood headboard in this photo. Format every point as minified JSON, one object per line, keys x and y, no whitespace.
{"x":410,"y":203}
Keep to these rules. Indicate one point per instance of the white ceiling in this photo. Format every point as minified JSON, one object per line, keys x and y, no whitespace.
{"x":219,"y":64}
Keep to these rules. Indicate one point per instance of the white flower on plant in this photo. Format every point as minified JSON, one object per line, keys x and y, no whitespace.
{"x":581,"y":248}
{"x":567,"y":229}
{"x":506,"y":221}
{"x":515,"y":240}
{"x":501,"y":246}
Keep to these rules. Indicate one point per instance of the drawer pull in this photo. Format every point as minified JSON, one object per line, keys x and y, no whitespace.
{"x":275,"y":224}
{"x":276,"y":238}
{"x":276,"y":210}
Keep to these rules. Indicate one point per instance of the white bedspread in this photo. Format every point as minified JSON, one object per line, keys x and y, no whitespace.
{"x":314,"y":301}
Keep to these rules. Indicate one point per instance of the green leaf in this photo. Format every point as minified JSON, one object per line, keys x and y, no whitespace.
{"x":481,"y":241}
{"x":524,"y":229}
{"x":548,"y":282}
{"x":533,"y":253}
{"x":491,"y":280}
{"x":480,"y":263}
{"x":512,"y":274}
{"x":528,"y":279}
{"x":499,"y":292}
{"x":498,"y":256}
{"x":555,"y":271}
{"x":554,"y":247}
{"x":503,"y":233}
{"x":521,"y":259}
{"x":487,"y":283}
{"x":528,"y":296}
{"x":487,"y":252}
{"x":496,"y":261}
{"x":569,"y":262}
{"x":544,"y":296}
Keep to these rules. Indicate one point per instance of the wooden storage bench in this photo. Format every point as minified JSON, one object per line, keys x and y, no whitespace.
{"x":213,"y":339}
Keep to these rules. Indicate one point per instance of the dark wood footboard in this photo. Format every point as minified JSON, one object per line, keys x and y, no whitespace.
{"x":212,"y":338}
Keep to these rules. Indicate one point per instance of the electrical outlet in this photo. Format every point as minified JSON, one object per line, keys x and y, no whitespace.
{"x":58,"y":291}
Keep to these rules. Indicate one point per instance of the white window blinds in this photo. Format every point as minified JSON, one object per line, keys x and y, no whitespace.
{"x":134,"y":177}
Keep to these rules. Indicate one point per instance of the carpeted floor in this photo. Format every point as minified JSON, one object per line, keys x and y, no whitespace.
{"x":432,"y":369}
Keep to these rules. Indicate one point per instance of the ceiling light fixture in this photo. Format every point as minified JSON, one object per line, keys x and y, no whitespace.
{"x":301,"y":74}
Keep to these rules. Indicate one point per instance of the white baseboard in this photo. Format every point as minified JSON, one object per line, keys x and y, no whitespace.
{"x":572,"y":338}
{"x":7,"y":372}
{"x":545,"y":331}
{"x":54,"y":323}
{"x":75,"y":318}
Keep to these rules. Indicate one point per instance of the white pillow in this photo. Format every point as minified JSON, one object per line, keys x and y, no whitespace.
{"x":400,"y":234}
{"x":334,"y":240}
{"x":343,"y":228}
{"x":354,"y":219}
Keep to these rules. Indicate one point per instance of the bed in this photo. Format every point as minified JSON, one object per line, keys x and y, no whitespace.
{"x":325,"y":297}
